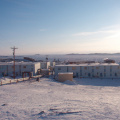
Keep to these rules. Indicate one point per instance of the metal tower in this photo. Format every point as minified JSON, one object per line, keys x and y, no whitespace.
{"x":14,"y":48}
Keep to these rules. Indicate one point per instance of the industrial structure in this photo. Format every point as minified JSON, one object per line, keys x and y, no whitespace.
{"x":14,"y":48}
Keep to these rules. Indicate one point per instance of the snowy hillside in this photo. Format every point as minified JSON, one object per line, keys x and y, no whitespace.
{"x":83,"y":99}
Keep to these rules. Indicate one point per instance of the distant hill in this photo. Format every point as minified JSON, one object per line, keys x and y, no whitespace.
{"x":94,"y":54}
{"x":37,"y":54}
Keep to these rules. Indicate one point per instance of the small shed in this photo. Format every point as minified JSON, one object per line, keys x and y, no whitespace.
{"x":45,"y":71}
{"x":65,"y":76}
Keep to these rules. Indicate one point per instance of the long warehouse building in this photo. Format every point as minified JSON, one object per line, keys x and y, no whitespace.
{"x":90,"y":70}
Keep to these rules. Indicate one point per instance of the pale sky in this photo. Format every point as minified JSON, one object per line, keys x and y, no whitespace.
{"x":59,"y":26}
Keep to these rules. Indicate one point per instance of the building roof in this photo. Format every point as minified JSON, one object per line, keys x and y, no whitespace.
{"x":90,"y":64}
{"x":66,"y":73}
{"x":19,"y":63}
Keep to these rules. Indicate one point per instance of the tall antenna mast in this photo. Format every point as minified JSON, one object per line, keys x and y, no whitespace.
{"x":14,"y":48}
{"x":46,"y":58}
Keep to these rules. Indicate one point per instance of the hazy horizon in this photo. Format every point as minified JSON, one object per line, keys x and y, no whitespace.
{"x":17,"y":55}
{"x":60,"y":54}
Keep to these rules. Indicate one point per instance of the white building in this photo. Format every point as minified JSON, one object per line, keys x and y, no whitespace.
{"x":52,"y":64}
{"x":100,"y":70}
{"x":45,"y":65}
{"x":6,"y":68}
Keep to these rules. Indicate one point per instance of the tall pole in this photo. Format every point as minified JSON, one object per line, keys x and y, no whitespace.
{"x":46,"y":61}
{"x":14,"y":61}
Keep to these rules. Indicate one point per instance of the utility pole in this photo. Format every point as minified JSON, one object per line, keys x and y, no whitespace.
{"x":46,"y":61}
{"x":14,"y":48}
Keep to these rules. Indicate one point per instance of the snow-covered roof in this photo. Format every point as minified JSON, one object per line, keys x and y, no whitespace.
{"x":90,"y":64}
{"x":45,"y":62}
{"x":18,"y":63}
{"x":66,"y":73}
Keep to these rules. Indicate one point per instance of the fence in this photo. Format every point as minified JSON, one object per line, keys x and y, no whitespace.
{"x":10,"y":81}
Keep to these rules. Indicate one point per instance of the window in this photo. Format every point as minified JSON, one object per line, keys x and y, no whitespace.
{"x":77,"y":74}
{"x":59,"y":68}
{"x":100,"y":74}
{"x":24,"y":66}
{"x":80,"y":72}
{"x":104,"y":74}
{"x":116,"y":74}
{"x":85,"y":68}
{"x":89,"y":74}
{"x":73,"y":68}
{"x":97,"y":67}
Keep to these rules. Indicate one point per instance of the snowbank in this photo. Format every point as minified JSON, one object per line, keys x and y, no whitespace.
{"x":68,"y":82}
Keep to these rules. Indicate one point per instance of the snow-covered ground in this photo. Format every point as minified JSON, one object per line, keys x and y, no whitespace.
{"x":82,"y":99}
